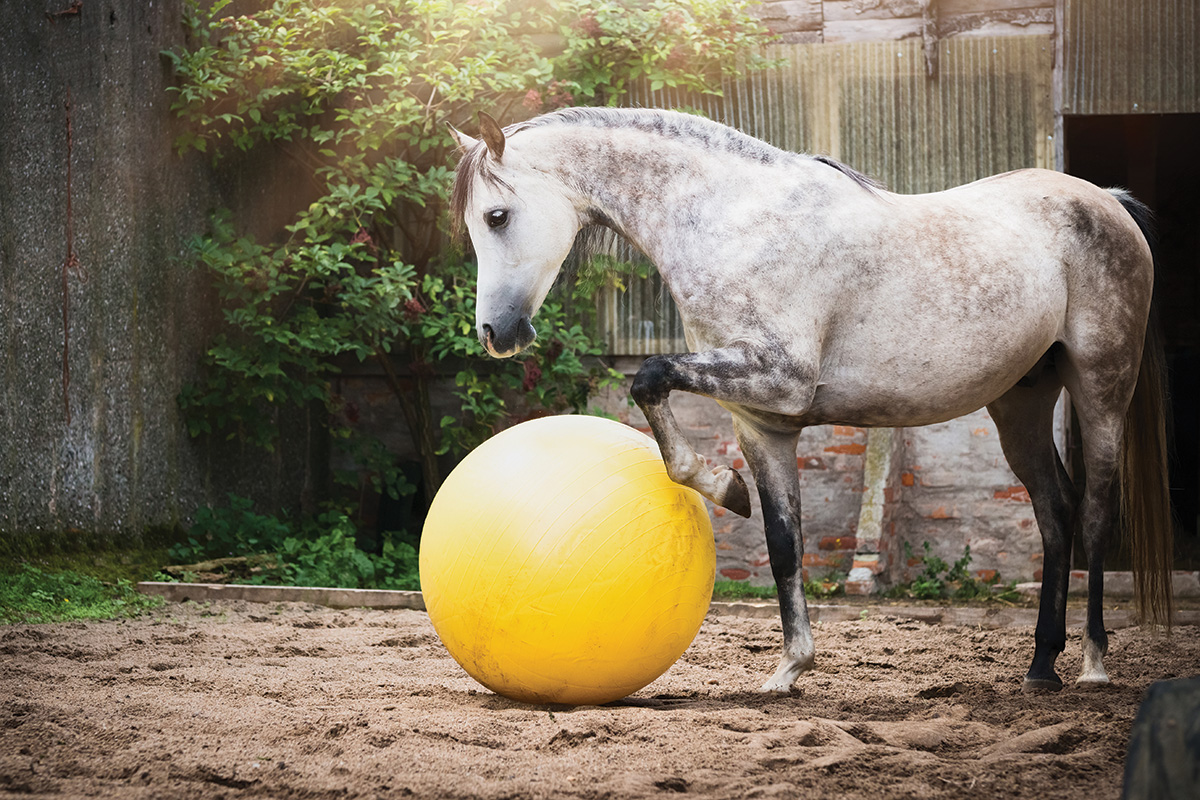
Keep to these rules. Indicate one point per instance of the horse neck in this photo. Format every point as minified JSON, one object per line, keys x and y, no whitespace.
{"x":657,"y":191}
{"x":643,"y":187}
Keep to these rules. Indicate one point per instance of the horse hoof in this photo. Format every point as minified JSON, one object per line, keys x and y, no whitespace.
{"x":772,"y":688}
{"x":737,"y":496}
{"x":1041,"y":685}
{"x":1092,"y":681}
{"x":790,"y":668}
{"x":782,"y":682}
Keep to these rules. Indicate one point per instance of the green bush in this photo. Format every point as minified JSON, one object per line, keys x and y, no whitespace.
{"x":328,"y":555}
{"x":355,"y":96}
{"x":322,"y":550}
{"x":231,"y":531}
{"x":939,"y":580}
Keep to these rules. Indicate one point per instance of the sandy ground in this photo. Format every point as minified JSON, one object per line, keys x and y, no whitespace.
{"x":232,"y":699}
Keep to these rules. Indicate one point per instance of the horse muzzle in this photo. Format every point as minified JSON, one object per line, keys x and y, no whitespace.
{"x":507,"y":339}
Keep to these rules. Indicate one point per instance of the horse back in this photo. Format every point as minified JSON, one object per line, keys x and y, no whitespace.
{"x":952,"y":297}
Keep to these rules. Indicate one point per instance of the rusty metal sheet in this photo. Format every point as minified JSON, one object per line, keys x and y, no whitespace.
{"x":1131,"y":57}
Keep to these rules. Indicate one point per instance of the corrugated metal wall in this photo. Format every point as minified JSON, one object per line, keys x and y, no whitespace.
{"x":1131,"y":56}
{"x":871,"y":105}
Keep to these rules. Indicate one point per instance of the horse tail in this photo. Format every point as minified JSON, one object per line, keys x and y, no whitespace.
{"x":1145,"y":496}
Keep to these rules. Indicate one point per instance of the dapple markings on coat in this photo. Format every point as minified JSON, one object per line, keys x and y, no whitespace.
{"x":810,"y":295}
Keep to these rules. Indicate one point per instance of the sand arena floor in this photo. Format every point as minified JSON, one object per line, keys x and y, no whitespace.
{"x":234,"y":699}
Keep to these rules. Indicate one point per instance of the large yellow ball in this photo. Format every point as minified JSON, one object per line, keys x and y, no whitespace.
{"x":560,"y":564}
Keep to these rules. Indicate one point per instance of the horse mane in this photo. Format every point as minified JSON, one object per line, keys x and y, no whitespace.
{"x":715,"y":135}
{"x":865,"y":181}
{"x":673,"y":124}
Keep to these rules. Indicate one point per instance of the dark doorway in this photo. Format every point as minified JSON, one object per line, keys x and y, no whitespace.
{"x":1157,"y":158}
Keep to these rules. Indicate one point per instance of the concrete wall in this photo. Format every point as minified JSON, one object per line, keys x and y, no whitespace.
{"x":112,"y":459}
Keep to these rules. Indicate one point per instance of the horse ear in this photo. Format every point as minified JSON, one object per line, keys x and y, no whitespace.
{"x":490,"y":130}
{"x":460,"y":138}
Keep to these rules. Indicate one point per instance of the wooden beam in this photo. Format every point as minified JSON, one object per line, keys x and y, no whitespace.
{"x":856,"y":10}
{"x":790,"y":16}
{"x":874,"y":30}
{"x":983,"y":6}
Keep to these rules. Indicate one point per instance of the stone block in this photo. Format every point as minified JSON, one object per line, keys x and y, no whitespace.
{"x":860,"y":582}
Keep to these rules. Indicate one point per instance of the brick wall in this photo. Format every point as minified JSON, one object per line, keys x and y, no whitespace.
{"x":956,"y":489}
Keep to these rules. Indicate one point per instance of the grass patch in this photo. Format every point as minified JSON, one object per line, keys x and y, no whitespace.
{"x":726,"y":590}
{"x":742,"y":590}
{"x":33,"y":596}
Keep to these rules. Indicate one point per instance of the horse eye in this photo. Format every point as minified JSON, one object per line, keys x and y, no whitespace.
{"x":497,"y":218}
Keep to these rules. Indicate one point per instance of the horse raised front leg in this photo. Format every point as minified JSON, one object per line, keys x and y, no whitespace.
{"x":706,"y":374}
{"x":767,"y":398}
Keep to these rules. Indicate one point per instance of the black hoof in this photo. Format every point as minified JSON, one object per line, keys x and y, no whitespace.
{"x":1054,"y":684}
{"x":737,"y":499}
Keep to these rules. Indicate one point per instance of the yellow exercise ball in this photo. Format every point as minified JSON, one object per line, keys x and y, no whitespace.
{"x":560,"y":564}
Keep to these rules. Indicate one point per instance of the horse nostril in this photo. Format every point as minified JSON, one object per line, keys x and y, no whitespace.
{"x":488,"y":334}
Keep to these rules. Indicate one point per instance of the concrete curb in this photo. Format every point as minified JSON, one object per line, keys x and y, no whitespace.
{"x":334,"y":598}
{"x":968,"y":616}
{"x":1120,"y":584}
{"x":971,"y":616}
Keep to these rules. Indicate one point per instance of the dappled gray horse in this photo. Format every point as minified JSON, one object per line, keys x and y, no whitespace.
{"x":810,"y":295}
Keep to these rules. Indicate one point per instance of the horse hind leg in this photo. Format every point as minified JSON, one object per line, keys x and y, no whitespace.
{"x":1101,"y":430}
{"x":1024,"y":418}
{"x":1117,"y":400}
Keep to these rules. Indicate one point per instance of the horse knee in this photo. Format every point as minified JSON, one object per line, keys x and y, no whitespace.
{"x":651,"y":384}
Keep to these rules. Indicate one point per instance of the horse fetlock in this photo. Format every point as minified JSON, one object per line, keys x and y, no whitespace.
{"x":1093,"y":673}
{"x":688,"y":469}
{"x":723,"y":485}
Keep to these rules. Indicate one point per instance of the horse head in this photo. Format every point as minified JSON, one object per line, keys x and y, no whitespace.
{"x":522,"y":223}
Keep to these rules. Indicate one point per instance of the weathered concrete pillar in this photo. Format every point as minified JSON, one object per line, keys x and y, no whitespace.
{"x":876,"y":549}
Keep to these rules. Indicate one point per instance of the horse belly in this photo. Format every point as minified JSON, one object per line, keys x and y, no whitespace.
{"x":869,"y":405}
{"x":919,"y":374}
{"x":962,"y":303}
